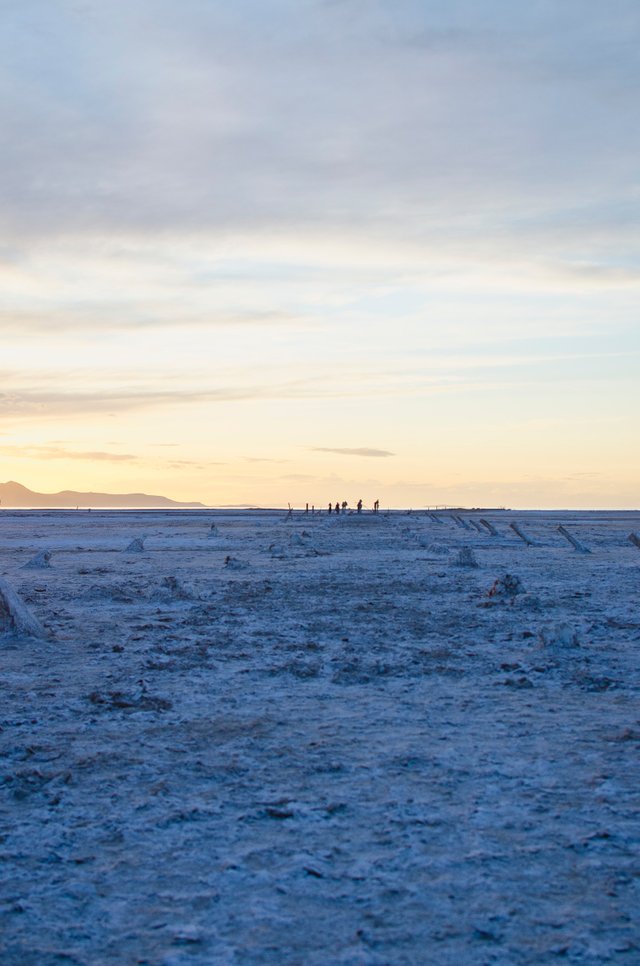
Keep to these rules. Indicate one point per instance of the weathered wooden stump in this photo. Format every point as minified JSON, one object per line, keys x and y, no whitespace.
{"x":525,"y":539}
{"x":580,"y":547}
{"x":490,"y":527}
{"x":14,"y":614}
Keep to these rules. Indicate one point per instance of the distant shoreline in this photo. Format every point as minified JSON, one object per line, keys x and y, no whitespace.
{"x":300,"y":513}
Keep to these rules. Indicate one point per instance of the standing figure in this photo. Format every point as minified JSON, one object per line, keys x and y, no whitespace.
{"x":359,"y":506}
{"x":337,"y":507}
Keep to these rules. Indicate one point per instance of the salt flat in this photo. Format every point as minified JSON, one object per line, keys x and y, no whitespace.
{"x":320,"y":740}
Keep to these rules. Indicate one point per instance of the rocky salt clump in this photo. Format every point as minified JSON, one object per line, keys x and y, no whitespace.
{"x":172,"y":588}
{"x":232,"y":563}
{"x":41,"y":561}
{"x":136,"y":546}
{"x":506,"y":587}
{"x":559,"y":635}
{"x":466,"y":558}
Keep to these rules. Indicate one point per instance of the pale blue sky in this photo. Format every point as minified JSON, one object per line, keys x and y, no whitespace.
{"x":242,"y":245}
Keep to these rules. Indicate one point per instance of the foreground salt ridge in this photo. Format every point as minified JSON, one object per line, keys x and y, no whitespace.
{"x":345,"y":751}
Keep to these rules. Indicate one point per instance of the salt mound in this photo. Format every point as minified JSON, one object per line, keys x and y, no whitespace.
{"x":507,"y":586}
{"x":41,"y":561}
{"x":232,"y":563}
{"x":136,"y":546}
{"x":438,"y":548}
{"x":559,"y":635}
{"x":172,"y":587}
{"x":466,"y":558}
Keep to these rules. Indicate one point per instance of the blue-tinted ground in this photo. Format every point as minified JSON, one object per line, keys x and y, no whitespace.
{"x":334,"y":748}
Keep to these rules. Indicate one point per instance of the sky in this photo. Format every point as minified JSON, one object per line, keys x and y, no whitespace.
{"x":277,"y":251}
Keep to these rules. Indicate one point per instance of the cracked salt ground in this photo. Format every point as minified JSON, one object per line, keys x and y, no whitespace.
{"x":365,"y":755}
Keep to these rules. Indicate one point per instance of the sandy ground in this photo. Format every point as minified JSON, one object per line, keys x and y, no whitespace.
{"x":336,"y":748}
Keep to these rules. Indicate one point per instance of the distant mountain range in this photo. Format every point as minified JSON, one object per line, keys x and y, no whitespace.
{"x":15,"y":496}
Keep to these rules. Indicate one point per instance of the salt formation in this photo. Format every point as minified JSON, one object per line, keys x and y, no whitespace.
{"x":438,"y":548}
{"x":172,"y":587}
{"x":433,"y":547}
{"x":559,"y":635}
{"x":232,"y":563}
{"x":136,"y":546}
{"x":41,"y":561}
{"x":507,"y":586}
{"x":466,"y":558}
{"x":15,"y":617}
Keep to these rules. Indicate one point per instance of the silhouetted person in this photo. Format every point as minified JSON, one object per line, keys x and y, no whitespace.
{"x":359,"y":506}
{"x":337,"y":508}
{"x":344,"y":506}
{"x":330,"y":507}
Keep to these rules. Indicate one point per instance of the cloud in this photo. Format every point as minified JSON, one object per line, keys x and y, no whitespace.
{"x":51,"y":452}
{"x":348,"y":451}
{"x":56,"y":403}
{"x":104,"y":311}
{"x":391,"y":120}
{"x":426,"y":372}
{"x":263,"y":459}
{"x":58,"y":453}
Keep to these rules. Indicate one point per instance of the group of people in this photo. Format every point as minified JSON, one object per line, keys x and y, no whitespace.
{"x":342,"y":507}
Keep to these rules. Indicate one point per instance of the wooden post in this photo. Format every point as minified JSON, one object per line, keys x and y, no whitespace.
{"x":490,"y":527}
{"x":516,"y":529}
{"x":572,"y":540}
{"x":19,"y":615}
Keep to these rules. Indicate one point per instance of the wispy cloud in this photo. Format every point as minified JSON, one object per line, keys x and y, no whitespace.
{"x":352,"y":451}
{"x":205,"y":124}
{"x":60,"y":453}
{"x":263,"y":459}
{"x":50,"y":452}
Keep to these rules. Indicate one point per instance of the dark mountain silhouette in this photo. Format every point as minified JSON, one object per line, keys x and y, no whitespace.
{"x":14,"y":495}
